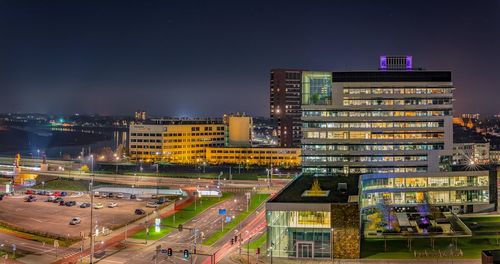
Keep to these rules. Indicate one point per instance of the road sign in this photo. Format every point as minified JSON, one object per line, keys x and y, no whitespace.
{"x":222,"y":211}
{"x":228,"y":219}
{"x":56,"y":243}
{"x":13,"y":247}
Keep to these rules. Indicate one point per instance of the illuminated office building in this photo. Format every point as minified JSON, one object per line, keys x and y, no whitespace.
{"x":177,"y":141}
{"x":249,"y":156}
{"x":396,"y":119}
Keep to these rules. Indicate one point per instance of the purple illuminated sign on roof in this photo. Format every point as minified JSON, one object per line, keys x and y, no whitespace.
{"x":409,"y":62}
{"x":383,"y":62}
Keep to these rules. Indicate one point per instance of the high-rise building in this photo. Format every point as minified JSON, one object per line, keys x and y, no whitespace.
{"x":285,"y":101}
{"x":396,"y":119}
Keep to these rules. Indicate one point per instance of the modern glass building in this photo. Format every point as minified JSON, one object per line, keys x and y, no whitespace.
{"x":458,"y":191}
{"x":315,"y":217}
{"x":386,"y":121}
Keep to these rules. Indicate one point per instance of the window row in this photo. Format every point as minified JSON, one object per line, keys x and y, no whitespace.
{"x":362,"y":170}
{"x":381,"y":113}
{"x":401,"y":158}
{"x":414,"y":101}
{"x":378,"y":147}
{"x":421,"y":182}
{"x":352,"y":90}
{"x":371,"y":135}
{"x":417,"y":124}
{"x":431,"y":197}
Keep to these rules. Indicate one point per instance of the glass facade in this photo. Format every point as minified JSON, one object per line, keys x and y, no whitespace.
{"x":436,"y":190}
{"x":316,"y":88}
{"x":302,"y":234}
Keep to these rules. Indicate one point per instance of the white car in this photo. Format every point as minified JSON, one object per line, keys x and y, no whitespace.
{"x":152,"y":205}
{"x":119,"y":195}
{"x":75,"y":221}
{"x":112,"y":205}
{"x":98,"y":206}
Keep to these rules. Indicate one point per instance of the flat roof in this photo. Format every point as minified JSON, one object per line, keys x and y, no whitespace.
{"x":392,"y":76}
{"x":293,"y":192}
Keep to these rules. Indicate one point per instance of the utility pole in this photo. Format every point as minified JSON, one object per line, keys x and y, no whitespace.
{"x":91,"y":189}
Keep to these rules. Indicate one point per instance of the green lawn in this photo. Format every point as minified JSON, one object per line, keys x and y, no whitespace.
{"x":479,"y":219}
{"x":182,"y":217}
{"x":65,"y":184}
{"x":208,"y":175}
{"x":260,"y":242}
{"x":397,"y":248}
{"x":255,"y":201}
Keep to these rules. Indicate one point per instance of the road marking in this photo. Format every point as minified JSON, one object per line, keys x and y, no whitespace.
{"x":39,"y":221}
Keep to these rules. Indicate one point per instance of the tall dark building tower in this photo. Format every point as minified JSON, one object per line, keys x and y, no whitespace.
{"x":285,"y":102}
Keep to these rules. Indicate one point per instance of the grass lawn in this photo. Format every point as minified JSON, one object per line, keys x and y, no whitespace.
{"x":208,"y":175}
{"x":182,"y":217}
{"x":479,"y":219}
{"x":396,"y":249}
{"x":65,"y":184}
{"x":260,"y":242}
{"x":48,"y":241}
{"x":255,"y":201}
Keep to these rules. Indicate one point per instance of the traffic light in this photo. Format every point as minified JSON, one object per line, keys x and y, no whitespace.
{"x":232,"y":241}
{"x":180,"y":228}
{"x":186,"y":253}
{"x":169,"y":252}
{"x":235,"y":238}
{"x":258,"y":251}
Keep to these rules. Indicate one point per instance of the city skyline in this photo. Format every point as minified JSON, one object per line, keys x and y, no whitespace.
{"x":115,"y":57}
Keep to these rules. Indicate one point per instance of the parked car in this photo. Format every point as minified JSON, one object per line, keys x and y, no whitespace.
{"x":152,"y":205}
{"x":48,"y":193}
{"x":57,"y":200}
{"x":30,"y":192}
{"x":51,"y":199}
{"x":62,"y":203}
{"x":140,"y":212}
{"x":57,"y":194}
{"x":132,"y":197}
{"x":40,"y":192}
{"x":75,"y":221}
{"x":70,"y":203}
{"x":162,"y":200}
{"x":97,"y":194}
{"x":64,"y":193}
{"x":112,"y":205}
{"x":111,"y":195}
{"x":1,"y":196}
{"x":119,"y":195}
{"x":154,"y":196}
{"x":98,"y":206}
{"x":84,"y":205}
{"x":30,"y":198}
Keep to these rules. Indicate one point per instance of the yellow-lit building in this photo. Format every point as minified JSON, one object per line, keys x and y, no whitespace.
{"x":178,"y":142}
{"x":261,"y":156}
{"x":240,"y":130}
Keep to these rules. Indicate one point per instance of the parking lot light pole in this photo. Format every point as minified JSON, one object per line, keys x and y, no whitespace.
{"x":91,"y":189}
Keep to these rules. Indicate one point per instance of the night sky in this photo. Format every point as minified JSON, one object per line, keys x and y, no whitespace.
{"x":205,"y":58}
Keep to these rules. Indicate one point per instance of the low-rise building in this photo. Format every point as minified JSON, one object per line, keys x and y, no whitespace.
{"x":456,"y":191}
{"x":315,"y":217}
{"x":178,"y":142}
{"x":260,"y":156}
{"x":495,"y":156}
{"x":471,"y":153}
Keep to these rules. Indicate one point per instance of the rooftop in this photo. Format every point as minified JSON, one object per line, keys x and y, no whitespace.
{"x":294,"y":192}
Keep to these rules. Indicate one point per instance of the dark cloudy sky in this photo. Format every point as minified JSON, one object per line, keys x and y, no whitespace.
{"x":189,"y":58}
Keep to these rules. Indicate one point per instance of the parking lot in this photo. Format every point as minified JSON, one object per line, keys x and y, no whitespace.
{"x":53,"y":218}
